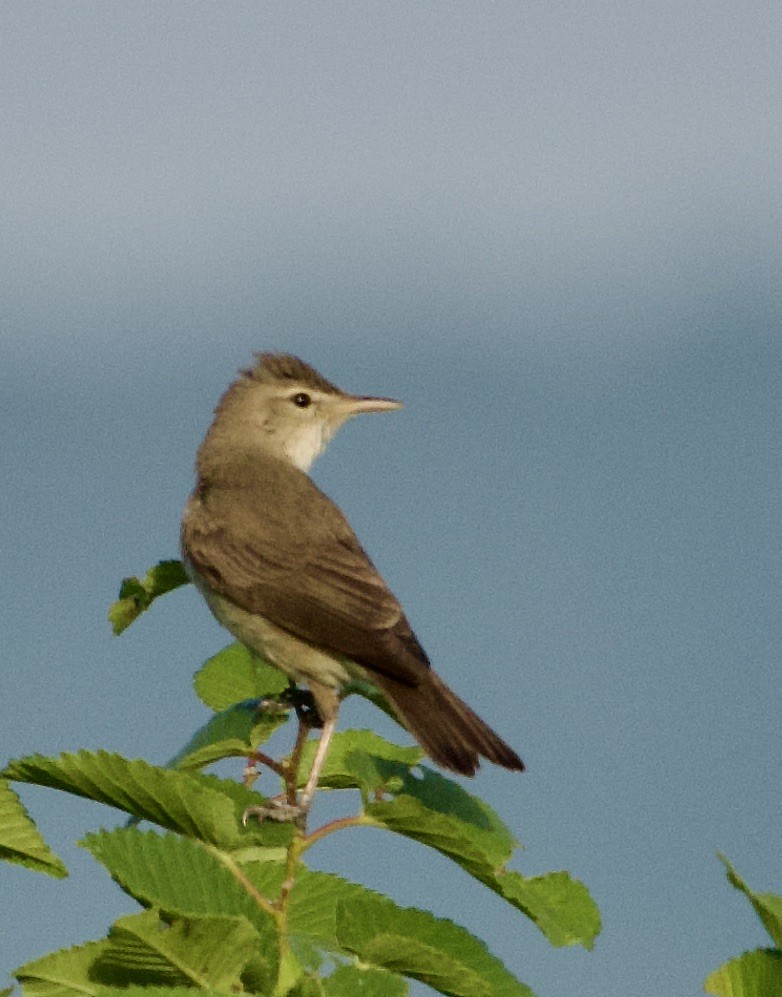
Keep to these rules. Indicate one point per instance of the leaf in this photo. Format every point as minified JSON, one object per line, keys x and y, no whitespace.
{"x":560,"y":906}
{"x":768,"y":906}
{"x":136,"y":595}
{"x":183,"y":878}
{"x":439,"y":813}
{"x":415,"y":943}
{"x":359,"y":759}
{"x":754,"y":974}
{"x":66,"y":973}
{"x":234,"y":733}
{"x":195,"y":805}
{"x":20,"y":840}
{"x":177,"y":875}
{"x":321,"y":912}
{"x":306,"y":986}
{"x":138,"y":991}
{"x":233,"y":675}
{"x":203,"y":952}
{"x":354,"y":981}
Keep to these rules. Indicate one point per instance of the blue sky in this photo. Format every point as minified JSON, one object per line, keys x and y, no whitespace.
{"x":553,"y":231}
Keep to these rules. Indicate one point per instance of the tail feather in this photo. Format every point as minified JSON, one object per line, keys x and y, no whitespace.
{"x":450,"y":732}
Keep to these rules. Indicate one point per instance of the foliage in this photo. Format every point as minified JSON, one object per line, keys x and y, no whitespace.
{"x":227,"y":903}
{"x":758,"y":973}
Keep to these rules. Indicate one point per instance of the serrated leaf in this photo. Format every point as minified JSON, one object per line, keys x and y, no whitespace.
{"x":768,"y":906}
{"x":360,"y":759}
{"x":439,"y":813}
{"x":136,"y":595}
{"x":233,"y":675}
{"x":754,"y":974}
{"x":320,"y":903}
{"x":560,"y":906}
{"x":20,"y":840}
{"x":414,"y":943}
{"x":208,"y":952}
{"x":178,"y":876}
{"x":312,"y":908}
{"x":234,"y":733}
{"x":66,"y":973}
{"x":135,"y":991}
{"x":353,"y":981}
{"x":307,"y":986}
{"x":196,"y":805}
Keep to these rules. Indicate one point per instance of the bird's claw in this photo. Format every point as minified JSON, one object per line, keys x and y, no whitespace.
{"x":276,"y":810}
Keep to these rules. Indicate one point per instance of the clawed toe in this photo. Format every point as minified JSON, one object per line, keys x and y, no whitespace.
{"x":275,"y":810}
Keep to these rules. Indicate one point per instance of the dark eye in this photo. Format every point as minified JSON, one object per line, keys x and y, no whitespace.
{"x":302,"y":399}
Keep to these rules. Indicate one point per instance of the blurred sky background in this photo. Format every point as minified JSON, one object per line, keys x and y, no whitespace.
{"x":553,"y":229}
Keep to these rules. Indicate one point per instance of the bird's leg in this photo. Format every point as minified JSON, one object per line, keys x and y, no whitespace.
{"x":317,"y":763}
{"x":327,"y":703}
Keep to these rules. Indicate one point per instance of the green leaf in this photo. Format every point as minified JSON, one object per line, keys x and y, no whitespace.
{"x":20,"y":839}
{"x":313,"y":906}
{"x":559,"y":905}
{"x":177,"y":875}
{"x":234,"y":733}
{"x":313,"y":912}
{"x":136,"y":595}
{"x":67,"y":973}
{"x":754,"y":974}
{"x":233,"y":675}
{"x":88,"y":970}
{"x":360,"y":759}
{"x":183,"y":878}
{"x":206,"y":952}
{"x":321,"y":912}
{"x":439,"y":813}
{"x":195,"y":805}
{"x":768,"y":906}
{"x":414,"y":943}
{"x":307,"y":986}
{"x":353,"y":981}
{"x":158,"y":992}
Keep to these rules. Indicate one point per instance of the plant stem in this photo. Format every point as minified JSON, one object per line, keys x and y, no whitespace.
{"x":331,"y":828}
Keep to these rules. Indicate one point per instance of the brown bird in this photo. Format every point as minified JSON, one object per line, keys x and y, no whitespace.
{"x":280,"y":567}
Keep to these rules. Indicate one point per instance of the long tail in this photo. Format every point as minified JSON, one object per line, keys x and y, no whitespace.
{"x":447,"y":729}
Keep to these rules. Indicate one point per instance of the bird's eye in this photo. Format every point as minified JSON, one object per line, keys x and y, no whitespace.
{"x":302,"y":399}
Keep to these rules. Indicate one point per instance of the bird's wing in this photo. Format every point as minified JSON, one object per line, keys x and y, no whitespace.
{"x":304,"y":570}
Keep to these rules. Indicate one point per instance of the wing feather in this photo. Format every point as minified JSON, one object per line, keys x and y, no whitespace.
{"x":276,"y":546}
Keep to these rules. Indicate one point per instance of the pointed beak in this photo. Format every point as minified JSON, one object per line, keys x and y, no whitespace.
{"x":356,"y":404}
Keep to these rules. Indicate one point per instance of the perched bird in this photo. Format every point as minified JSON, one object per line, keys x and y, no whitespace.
{"x":281,"y":568}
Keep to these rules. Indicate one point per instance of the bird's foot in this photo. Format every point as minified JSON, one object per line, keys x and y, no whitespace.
{"x":299,"y":700}
{"x":271,"y":705}
{"x":303,"y":702}
{"x":277,"y":810}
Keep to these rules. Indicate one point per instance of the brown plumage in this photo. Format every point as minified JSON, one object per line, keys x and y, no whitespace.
{"x":281,"y":567}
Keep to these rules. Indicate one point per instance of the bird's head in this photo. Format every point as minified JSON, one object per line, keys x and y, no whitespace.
{"x":287,"y":409}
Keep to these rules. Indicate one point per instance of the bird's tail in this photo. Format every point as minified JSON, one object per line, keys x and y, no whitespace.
{"x":447,"y":729}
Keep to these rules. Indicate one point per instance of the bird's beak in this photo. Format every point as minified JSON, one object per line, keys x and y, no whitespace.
{"x":356,"y":404}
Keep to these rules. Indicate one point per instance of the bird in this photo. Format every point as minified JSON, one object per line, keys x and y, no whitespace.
{"x":280,"y":567}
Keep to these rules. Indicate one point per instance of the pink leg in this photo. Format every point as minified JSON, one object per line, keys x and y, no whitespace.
{"x":317,"y":763}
